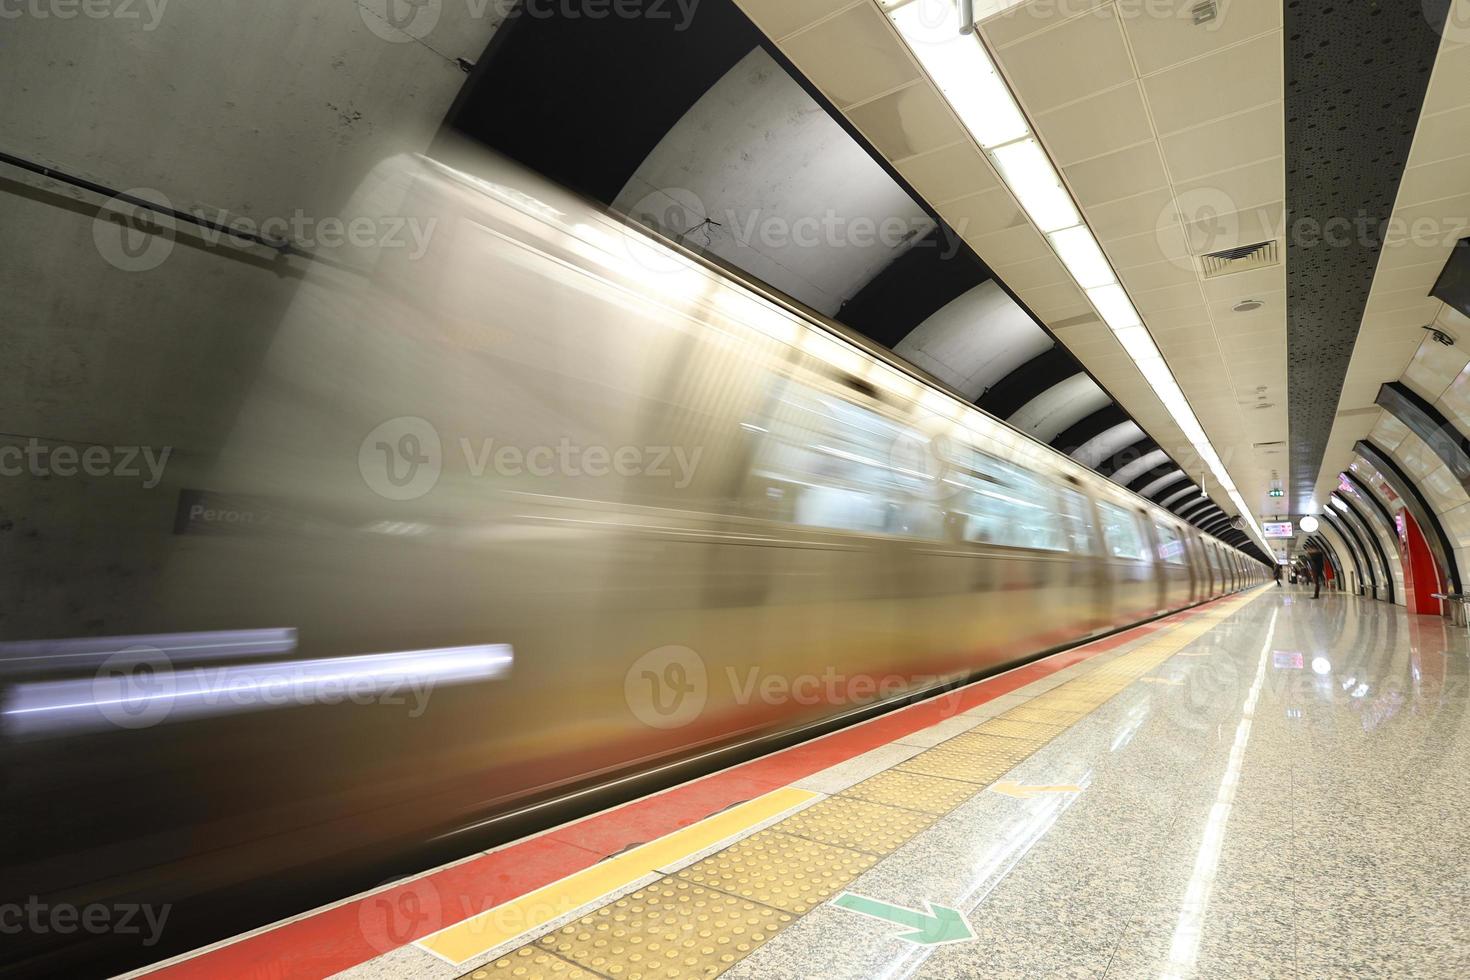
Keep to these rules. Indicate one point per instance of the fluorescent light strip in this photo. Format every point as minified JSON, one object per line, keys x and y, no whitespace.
{"x":1024,"y":166}
{"x":1080,"y":253}
{"x":961,"y":68}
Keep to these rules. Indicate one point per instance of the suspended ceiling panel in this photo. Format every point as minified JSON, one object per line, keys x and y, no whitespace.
{"x":1170,"y":137}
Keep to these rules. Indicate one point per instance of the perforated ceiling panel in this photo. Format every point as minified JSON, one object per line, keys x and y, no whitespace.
{"x":1356,"y":72}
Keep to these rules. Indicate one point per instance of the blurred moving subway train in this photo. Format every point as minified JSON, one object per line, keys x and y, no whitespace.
{"x":501,"y":524}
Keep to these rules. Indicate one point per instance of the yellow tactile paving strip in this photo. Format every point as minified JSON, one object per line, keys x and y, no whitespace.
{"x":790,"y":873}
{"x":952,"y":764}
{"x":669,"y":929}
{"x":911,"y":791}
{"x":860,"y":825}
{"x":494,"y":927}
{"x":703,"y":919}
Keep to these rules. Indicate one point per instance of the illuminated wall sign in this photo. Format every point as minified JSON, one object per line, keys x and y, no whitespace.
{"x":1279,"y":529}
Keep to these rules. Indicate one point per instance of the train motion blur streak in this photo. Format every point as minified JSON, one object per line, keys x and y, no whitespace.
{"x":634,"y":489}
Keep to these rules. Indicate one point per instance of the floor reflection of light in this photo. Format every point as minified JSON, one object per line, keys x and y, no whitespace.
{"x":1184,"y":950}
{"x":1321,"y":665}
{"x":992,"y":866}
{"x":1136,"y":716}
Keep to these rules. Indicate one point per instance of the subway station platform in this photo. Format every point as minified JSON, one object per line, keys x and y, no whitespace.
{"x":1267,"y":786}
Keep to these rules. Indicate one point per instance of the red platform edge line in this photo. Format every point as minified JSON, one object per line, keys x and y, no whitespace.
{"x":322,"y":943}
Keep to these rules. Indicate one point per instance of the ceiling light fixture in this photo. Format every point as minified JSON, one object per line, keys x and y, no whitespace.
{"x":961,"y":68}
{"x":1027,"y":171}
{"x":1115,"y":307}
{"x":1080,"y":253}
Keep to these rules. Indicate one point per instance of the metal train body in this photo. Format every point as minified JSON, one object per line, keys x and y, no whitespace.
{"x":839,"y":532}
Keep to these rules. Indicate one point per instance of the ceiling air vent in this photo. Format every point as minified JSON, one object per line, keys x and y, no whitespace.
{"x":1242,"y":259}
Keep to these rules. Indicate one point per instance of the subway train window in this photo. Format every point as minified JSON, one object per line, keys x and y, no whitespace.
{"x":1005,"y":505}
{"x":826,"y":462}
{"x":1171,"y":548}
{"x":1077,"y":523}
{"x":1120,"y":529}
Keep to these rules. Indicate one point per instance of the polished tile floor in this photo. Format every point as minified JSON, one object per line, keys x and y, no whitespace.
{"x":1284,"y":794}
{"x":1267,"y":786}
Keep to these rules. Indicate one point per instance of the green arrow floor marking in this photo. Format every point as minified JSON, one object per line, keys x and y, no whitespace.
{"x":939,"y":925}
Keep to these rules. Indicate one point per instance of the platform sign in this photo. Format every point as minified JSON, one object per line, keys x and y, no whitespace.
{"x":1279,"y":529}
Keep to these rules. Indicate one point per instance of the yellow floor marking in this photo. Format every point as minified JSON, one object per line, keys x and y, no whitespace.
{"x":481,"y":933}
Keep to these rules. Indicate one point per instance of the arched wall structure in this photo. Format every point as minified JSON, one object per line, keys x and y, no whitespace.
{"x":1349,"y":559}
{"x":1375,"y":516}
{"x":1368,"y":543}
{"x":1418,"y":507}
{"x":1368,"y":571}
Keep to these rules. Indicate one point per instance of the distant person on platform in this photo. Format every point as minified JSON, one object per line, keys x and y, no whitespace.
{"x":1277,"y":570}
{"x":1315,"y":561}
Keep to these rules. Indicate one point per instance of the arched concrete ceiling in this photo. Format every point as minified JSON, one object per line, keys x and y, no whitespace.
{"x":1127,"y":474}
{"x":757,"y":173}
{"x":1168,"y":479}
{"x":1110,"y":442}
{"x":1177,"y":497}
{"x":1062,"y":405}
{"x":975,"y":340}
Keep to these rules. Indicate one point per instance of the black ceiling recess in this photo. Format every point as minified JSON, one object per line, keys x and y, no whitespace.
{"x":1150,"y":475}
{"x":1029,"y":380}
{"x":1092,"y":426}
{"x":606,"y":90}
{"x":911,"y":289}
{"x":1356,"y":73}
{"x":1126,"y":455}
{"x":1179,"y":497}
